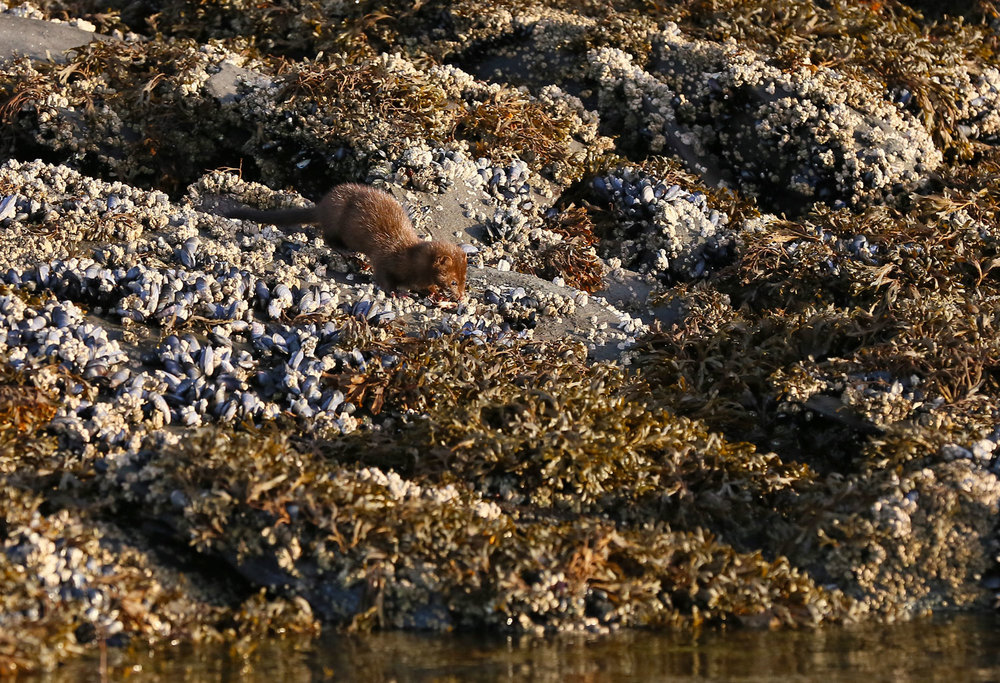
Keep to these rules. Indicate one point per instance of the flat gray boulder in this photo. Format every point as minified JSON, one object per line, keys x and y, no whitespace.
{"x":40,"y":40}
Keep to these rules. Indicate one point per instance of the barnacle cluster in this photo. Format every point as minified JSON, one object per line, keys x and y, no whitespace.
{"x":659,"y":405}
{"x":123,"y":108}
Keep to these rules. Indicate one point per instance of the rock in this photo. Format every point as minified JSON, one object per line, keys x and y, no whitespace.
{"x":41,"y":40}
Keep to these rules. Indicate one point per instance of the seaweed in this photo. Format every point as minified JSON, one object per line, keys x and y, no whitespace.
{"x":922,"y":64}
{"x":356,"y":112}
{"x":333,"y":522}
{"x":574,"y":258}
{"x":124,"y":110}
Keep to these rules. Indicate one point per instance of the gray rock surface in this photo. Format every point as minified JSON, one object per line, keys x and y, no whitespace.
{"x":42,"y":40}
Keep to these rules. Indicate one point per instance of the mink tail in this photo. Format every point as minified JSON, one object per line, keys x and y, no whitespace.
{"x":279,"y":217}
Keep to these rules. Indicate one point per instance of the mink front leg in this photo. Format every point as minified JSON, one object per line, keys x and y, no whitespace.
{"x":385,"y":282}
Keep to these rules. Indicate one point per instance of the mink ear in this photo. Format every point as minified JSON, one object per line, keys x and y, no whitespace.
{"x":442,"y":260}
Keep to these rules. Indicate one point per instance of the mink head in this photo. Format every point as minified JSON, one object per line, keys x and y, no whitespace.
{"x":448,"y":265}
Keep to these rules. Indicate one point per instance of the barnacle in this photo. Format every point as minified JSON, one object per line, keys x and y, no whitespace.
{"x":125,"y":107}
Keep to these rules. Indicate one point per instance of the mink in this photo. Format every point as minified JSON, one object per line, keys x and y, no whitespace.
{"x":366,"y":219}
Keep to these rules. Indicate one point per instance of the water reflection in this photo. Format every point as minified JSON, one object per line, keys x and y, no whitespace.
{"x":959,"y":648}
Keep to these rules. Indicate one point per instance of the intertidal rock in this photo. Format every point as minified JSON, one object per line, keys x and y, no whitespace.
{"x":658,"y":405}
{"x":788,"y":138}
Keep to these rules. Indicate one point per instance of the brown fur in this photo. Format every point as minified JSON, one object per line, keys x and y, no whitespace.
{"x":371,"y":221}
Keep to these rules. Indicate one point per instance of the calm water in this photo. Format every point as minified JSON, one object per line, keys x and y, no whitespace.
{"x":960,"y":648}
